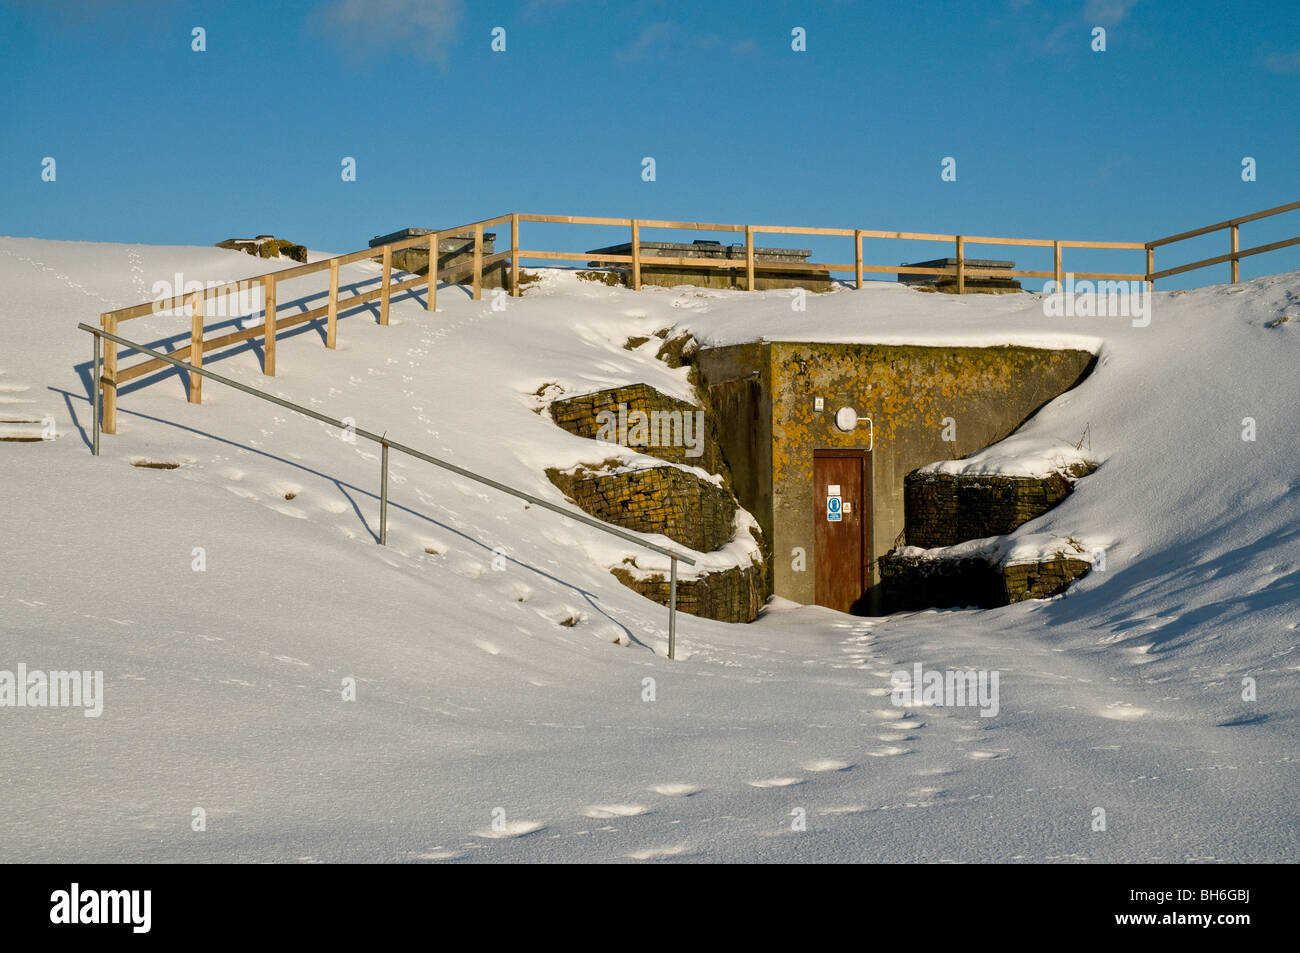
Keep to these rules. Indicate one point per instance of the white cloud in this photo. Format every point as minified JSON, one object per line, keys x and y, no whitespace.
{"x":668,"y":39}
{"x":1107,"y":12}
{"x":419,"y":27}
{"x":656,"y":39}
{"x":1284,"y":64}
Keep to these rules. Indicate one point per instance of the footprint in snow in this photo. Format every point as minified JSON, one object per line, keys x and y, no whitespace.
{"x":776,"y":782}
{"x":827,"y":764}
{"x":889,"y":751}
{"x":512,"y":829}
{"x":677,"y":789}
{"x":659,"y":853}
{"x":603,"y":811}
{"x":1122,"y":711}
{"x":438,"y":854}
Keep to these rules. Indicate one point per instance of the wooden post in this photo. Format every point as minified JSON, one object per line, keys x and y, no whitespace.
{"x":431,"y":302}
{"x":332,"y":320}
{"x":636,"y":255}
{"x":1151,"y":268}
{"x":478,"y":262}
{"x":1056,"y":267}
{"x":857,"y":256}
{"x":1236,"y":265}
{"x":196,"y":347}
{"x":388,"y":278}
{"x":268,"y":334}
{"x":749,"y":257}
{"x":961,"y":265}
{"x":109,"y":324}
{"x":514,"y":255}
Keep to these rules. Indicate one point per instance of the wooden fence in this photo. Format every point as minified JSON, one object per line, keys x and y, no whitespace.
{"x":113,"y":376}
{"x":1235,"y":254}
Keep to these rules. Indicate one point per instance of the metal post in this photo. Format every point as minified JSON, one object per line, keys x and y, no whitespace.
{"x":672,"y":609}
{"x":95,"y":388}
{"x":386,"y":444}
{"x":383,"y":498}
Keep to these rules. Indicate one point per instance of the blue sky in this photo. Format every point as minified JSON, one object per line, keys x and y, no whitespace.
{"x":157,"y":143}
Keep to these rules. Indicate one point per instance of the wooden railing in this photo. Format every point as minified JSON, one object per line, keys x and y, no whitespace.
{"x":857,"y":268}
{"x":196,"y":301}
{"x":113,"y":376}
{"x":1235,"y":253}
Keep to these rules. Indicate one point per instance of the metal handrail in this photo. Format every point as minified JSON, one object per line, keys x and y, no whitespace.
{"x":385,"y":443}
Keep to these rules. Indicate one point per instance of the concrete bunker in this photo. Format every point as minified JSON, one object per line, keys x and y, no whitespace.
{"x":664,"y":264}
{"x":453,"y":250}
{"x":776,"y":404}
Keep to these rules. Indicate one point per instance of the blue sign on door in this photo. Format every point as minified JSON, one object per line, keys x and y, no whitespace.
{"x":833,"y":513}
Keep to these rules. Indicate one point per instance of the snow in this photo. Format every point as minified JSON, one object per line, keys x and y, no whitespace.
{"x":1014,"y":550}
{"x":523,"y":689}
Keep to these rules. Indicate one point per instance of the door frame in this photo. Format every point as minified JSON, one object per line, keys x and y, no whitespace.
{"x":866,"y":566}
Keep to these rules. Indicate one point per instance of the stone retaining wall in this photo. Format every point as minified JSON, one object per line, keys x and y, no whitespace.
{"x":580,"y":416}
{"x":914,"y":582}
{"x":944,"y":509}
{"x":680,"y":505}
{"x":733,"y":595}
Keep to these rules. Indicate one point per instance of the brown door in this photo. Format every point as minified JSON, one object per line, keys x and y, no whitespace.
{"x":842,"y":522}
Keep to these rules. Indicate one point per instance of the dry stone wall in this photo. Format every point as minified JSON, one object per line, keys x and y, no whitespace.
{"x":919,"y":582}
{"x":687,"y":509}
{"x":732,"y":595}
{"x":943,"y":509}
{"x":663,"y":437}
{"x":682,"y":505}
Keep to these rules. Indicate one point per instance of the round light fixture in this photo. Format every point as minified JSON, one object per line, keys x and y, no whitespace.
{"x":846,"y":418}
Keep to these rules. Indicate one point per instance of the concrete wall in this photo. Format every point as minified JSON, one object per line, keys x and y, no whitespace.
{"x":736,"y":385}
{"x":768,"y":278}
{"x":453,"y":250}
{"x":906,"y":390}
